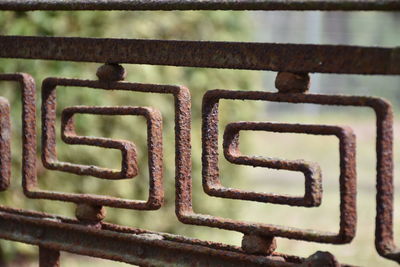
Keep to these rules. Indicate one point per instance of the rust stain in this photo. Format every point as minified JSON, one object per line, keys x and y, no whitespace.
{"x":5,"y":144}
{"x":28,"y":89}
{"x":129,"y":164}
{"x":296,"y":58}
{"x":212,"y":185}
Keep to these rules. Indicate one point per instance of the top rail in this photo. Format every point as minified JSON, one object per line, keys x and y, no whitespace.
{"x":229,"y":55}
{"x":327,"y":5}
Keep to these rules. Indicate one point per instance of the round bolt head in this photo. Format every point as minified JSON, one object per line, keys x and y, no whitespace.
{"x":255,"y":244}
{"x":321,"y":258}
{"x":287,"y":82}
{"x":111,"y":72}
{"x":90,"y":213}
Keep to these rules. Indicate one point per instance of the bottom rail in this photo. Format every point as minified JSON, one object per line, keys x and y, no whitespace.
{"x":53,"y":234}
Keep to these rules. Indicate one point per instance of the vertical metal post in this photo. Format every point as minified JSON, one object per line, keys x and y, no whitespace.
{"x":48,"y":257}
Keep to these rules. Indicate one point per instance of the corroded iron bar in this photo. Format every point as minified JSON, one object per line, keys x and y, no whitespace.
{"x":384,"y":236}
{"x":228,"y":55}
{"x":140,"y":249}
{"x":5,"y":143}
{"x":129,"y":165}
{"x":200,"y":5}
{"x":28,"y":91}
{"x":210,"y":171}
{"x":154,"y":141}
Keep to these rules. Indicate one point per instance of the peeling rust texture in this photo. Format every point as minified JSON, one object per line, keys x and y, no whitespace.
{"x":154,"y":129}
{"x":346,"y":5}
{"x":230,"y":55}
{"x":5,"y":144}
{"x":384,"y":148}
{"x":312,"y":172}
{"x":28,"y":89}
{"x":48,"y":257}
{"x":213,"y":186}
{"x":129,"y":165}
{"x":154,"y":143}
{"x":125,"y":244}
{"x":146,"y":248}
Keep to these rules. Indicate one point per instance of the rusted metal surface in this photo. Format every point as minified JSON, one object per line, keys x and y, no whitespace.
{"x":287,"y":82}
{"x":321,"y":258}
{"x":200,"y":5}
{"x":312,"y":172}
{"x":129,"y":165}
{"x":230,"y":55}
{"x":28,"y":89}
{"x":384,"y":148}
{"x":90,"y":213}
{"x":231,"y":149}
{"x":5,"y":144}
{"x":210,"y":167}
{"x":48,"y":257}
{"x":111,"y":72}
{"x":154,"y":129}
{"x":255,"y":244}
{"x":89,"y":235}
{"x":129,"y":245}
{"x":212,"y":183}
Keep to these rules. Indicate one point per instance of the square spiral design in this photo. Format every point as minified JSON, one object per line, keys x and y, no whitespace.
{"x":129,"y":166}
{"x":212,"y":184}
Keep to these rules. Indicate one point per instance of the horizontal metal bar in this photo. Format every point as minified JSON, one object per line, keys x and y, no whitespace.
{"x":230,"y":55}
{"x":200,"y":5}
{"x":142,"y":249}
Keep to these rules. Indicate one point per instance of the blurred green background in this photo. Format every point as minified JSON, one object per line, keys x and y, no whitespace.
{"x":363,"y":28}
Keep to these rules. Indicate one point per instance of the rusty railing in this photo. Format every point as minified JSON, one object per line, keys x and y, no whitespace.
{"x":292,"y":62}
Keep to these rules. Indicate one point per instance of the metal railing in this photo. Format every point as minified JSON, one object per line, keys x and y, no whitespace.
{"x":293,"y":62}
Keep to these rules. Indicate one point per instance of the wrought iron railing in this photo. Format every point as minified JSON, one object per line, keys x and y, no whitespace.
{"x":88,"y":235}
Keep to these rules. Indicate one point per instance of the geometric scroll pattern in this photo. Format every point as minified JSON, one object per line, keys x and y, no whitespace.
{"x":129,"y":162}
{"x":313,"y":185}
{"x":145,"y":248}
{"x":27,"y":86}
{"x":129,"y":166}
{"x":213,"y":186}
{"x":211,"y":177}
{"x":384,"y":149}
